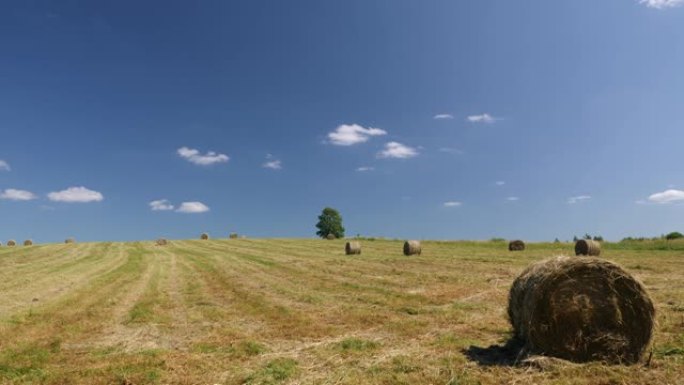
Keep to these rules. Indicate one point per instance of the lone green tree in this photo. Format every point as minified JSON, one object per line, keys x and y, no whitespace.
{"x":674,"y":235}
{"x":330,"y":222}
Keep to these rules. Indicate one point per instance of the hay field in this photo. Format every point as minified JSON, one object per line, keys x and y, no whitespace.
{"x":290,"y":311}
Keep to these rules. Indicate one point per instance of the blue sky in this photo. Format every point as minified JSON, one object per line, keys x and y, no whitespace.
{"x":416,"y":119}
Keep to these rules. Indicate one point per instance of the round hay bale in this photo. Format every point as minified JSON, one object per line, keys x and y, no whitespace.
{"x":233,"y":236}
{"x":587,"y":247}
{"x":352,"y":248}
{"x":412,"y":248}
{"x":70,"y":240}
{"x":330,"y":237}
{"x":243,"y":237}
{"x":516,"y":245}
{"x":161,"y":242}
{"x":204,"y":236}
{"x":581,"y":309}
{"x":11,"y":243}
{"x":28,"y":242}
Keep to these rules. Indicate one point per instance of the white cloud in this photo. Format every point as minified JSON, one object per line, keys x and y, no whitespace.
{"x":500,"y":183}
{"x":272,"y":163}
{"x":450,"y":150}
{"x":161,"y":205}
{"x":192,"y":208}
{"x":397,"y":150}
{"x":347,"y":135}
{"x":76,"y":195}
{"x":443,"y":117}
{"x":512,"y":199}
{"x":578,"y":199}
{"x":452,"y":204}
{"x":4,"y":166}
{"x":667,"y":196}
{"x":484,"y":118}
{"x":661,"y":4}
{"x":17,"y":195}
{"x":365,"y":168}
{"x":194,"y":156}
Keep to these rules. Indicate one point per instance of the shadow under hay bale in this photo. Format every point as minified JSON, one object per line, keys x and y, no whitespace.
{"x":352,"y":248}
{"x":581,"y":309}
{"x":11,"y":243}
{"x":587,"y":247}
{"x":330,"y":237}
{"x":412,"y":248}
{"x":28,"y":242}
{"x":516,"y":245}
{"x":204,"y":236}
{"x":161,"y":242}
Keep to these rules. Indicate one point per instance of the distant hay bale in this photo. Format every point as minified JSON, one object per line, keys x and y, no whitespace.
{"x":204,"y":236}
{"x":412,"y":248}
{"x":516,"y":245}
{"x":330,"y":237}
{"x":581,"y":309}
{"x":352,"y":248}
{"x":587,"y":247}
{"x":233,"y":236}
{"x":243,"y":237}
{"x":162,"y":242}
{"x":28,"y":242}
{"x":70,"y":240}
{"x":11,"y":243}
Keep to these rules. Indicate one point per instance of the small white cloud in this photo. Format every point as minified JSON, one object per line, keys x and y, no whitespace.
{"x":17,"y":195}
{"x":484,"y":118}
{"x":272,"y":163}
{"x":365,"y":168}
{"x":512,"y":199}
{"x":397,"y":150}
{"x":667,"y":196}
{"x":161,"y":205}
{"x":4,"y":166}
{"x":661,"y":4}
{"x":443,"y":117}
{"x":194,"y":156}
{"x":500,"y":183}
{"x":453,"y":204}
{"x":192,"y":208}
{"x":350,"y":134}
{"x":76,"y":195}
{"x":578,"y":199}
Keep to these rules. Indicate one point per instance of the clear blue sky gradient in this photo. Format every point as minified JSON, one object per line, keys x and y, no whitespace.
{"x":587,"y":98}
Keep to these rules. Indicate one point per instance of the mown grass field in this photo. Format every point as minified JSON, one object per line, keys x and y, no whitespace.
{"x":293,"y":311}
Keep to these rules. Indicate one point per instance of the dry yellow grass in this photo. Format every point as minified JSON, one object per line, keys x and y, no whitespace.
{"x":289,"y":311}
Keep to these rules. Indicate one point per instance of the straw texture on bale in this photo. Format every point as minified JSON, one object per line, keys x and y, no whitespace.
{"x":587,"y":247}
{"x":70,"y":240}
{"x":330,"y":237}
{"x":28,"y":242}
{"x":233,"y":236}
{"x":516,"y":245}
{"x":581,"y":309}
{"x":162,"y":242}
{"x":412,"y":248}
{"x":204,"y":236}
{"x":352,"y":248}
{"x":11,"y":243}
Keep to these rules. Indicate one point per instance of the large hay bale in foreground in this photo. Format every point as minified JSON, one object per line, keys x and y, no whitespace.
{"x":587,"y":247}
{"x":28,"y":242}
{"x":233,"y":236}
{"x":161,"y":242}
{"x":352,"y":247}
{"x":204,"y":236}
{"x":330,"y":237}
{"x":11,"y":243}
{"x":70,"y":240}
{"x":581,"y":309}
{"x":516,"y":245}
{"x":412,"y":248}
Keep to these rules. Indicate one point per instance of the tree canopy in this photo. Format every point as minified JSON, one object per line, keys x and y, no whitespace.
{"x":330,"y":222}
